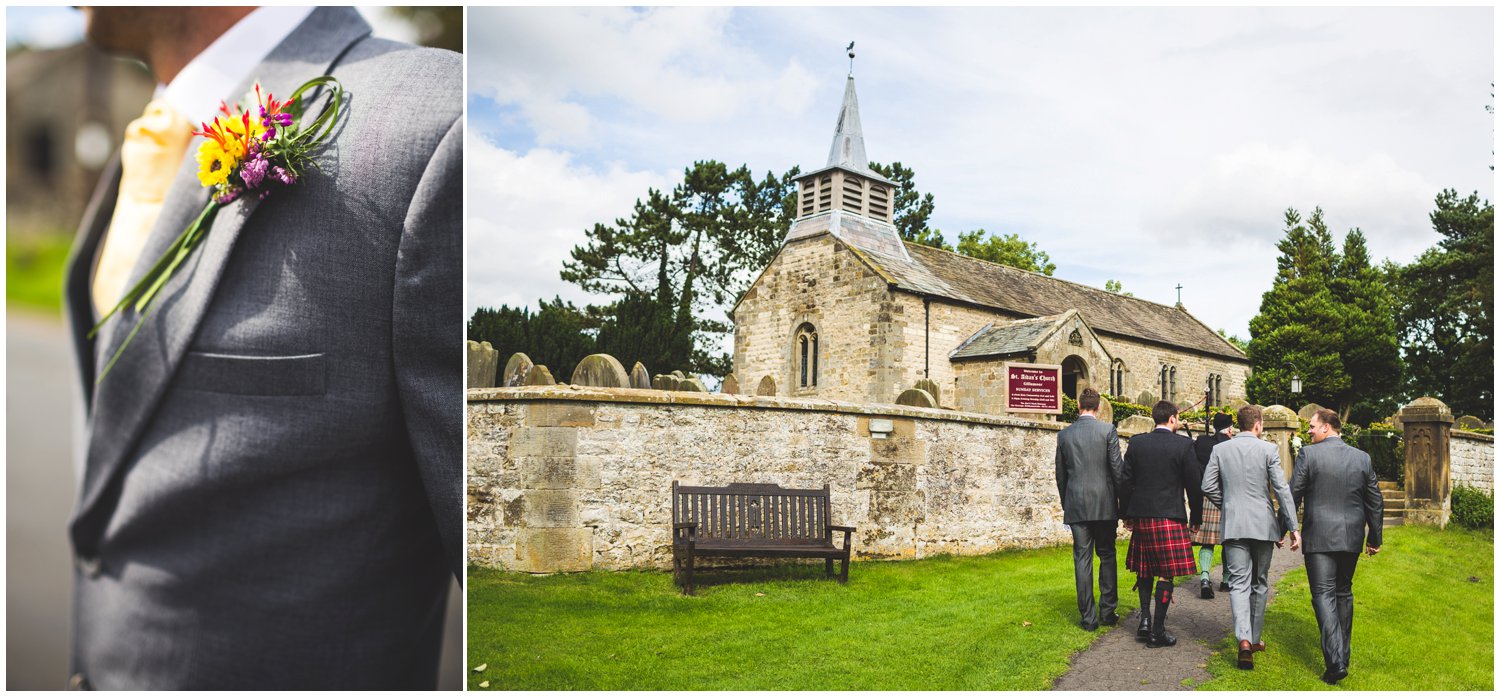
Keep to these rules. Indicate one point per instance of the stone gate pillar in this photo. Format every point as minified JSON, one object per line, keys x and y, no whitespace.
{"x":1428,"y":463}
{"x":1280,"y":426}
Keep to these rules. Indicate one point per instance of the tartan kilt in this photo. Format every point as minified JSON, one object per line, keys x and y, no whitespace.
{"x":1160,"y":547}
{"x":1212,"y":530}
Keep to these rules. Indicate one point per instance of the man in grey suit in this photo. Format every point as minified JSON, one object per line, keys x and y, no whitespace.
{"x":1239,"y":478}
{"x":1342,"y":511}
{"x":272,"y":486}
{"x":1089,"y":473}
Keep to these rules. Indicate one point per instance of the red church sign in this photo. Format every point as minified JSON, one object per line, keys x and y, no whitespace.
{"x":1033,"y":388}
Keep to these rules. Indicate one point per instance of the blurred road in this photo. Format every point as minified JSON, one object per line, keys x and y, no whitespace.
{"x":39,"y":496}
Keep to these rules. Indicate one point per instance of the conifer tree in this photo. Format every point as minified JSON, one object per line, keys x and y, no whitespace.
{"x":1372,"y":356}
{"x":1299,"y":321}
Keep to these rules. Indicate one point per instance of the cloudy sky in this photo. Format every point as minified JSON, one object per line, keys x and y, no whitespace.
{"x":1151,"y":146}
{"x":55,"y":27}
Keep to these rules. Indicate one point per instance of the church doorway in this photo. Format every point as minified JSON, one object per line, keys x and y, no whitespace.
{"x":1075,"y":376}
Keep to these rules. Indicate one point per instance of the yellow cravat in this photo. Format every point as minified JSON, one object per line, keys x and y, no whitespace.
{"x":149,"y":159}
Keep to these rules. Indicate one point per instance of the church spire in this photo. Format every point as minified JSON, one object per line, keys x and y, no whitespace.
{"x":848,"y":137}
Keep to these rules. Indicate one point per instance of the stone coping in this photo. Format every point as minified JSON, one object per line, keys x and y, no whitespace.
{"x":1481,"y":437}
{"x":625,"y":395}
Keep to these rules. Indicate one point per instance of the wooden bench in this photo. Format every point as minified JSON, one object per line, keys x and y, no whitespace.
{"x":752,"y":520}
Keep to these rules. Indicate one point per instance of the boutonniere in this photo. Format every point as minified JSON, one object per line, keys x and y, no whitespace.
{"x":265,"y":146}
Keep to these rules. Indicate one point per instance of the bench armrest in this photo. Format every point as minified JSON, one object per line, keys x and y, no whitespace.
{"x":842,"y":528}
{"x":684,"y":532}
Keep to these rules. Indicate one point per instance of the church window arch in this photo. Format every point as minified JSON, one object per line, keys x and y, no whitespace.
{"x":807,"y":356}
{"x":1117,"y":377}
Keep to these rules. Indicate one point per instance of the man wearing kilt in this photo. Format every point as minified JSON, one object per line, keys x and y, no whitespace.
{"x":1160,"y":469}
{"x":1210,"y":532}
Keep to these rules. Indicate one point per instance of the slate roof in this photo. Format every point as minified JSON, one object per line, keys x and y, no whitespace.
{"x":1005,"y":339}
{"x":957,"y":277}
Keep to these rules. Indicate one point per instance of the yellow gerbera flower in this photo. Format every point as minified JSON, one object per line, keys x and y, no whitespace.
{"x":215,"y":164}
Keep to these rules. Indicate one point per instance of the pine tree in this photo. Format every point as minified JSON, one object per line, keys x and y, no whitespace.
{"x":1372,"y":356}
{"x":1299,"y":321}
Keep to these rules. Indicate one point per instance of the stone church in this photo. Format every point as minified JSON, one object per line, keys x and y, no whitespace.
{"x":849,"y":311}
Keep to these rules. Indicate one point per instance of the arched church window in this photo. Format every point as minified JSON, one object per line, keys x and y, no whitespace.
{"x":1117,"y":378}
{"x":1218,"y":390}
{"x":1173,"y":383}
{"x":1164,"y":392}
{"x":807,"y":356}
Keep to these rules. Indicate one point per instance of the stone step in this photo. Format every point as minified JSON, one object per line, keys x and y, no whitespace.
{"x":1390,"y":486}
{"x":1389,"y":521}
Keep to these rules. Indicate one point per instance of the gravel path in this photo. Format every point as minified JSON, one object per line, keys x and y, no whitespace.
{"x":1116,"y":661}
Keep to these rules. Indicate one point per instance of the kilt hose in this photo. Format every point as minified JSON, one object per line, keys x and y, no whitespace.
{"x":1160,"y":548}
{"x":1212,"y":530}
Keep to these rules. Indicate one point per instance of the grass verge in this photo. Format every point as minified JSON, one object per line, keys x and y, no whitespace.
{"x":1424,"y":617}
{"x":34,"y":265}
{"x":1005,"y":621}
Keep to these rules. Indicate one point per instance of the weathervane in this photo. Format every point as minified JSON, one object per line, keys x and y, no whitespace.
{"x":850,"y":49}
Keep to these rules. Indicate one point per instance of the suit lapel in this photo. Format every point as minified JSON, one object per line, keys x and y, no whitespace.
{"x":80,"y":274}
{"x":123,"y":403}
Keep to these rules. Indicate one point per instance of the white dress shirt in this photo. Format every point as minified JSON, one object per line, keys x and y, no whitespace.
{"x":197,"y":90}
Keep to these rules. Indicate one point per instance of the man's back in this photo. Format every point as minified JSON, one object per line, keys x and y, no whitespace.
{"x":1241,"y":471}
{"x":1088,"y":463}
{"x":1161,"y":467}
{"x":1335,"y":485}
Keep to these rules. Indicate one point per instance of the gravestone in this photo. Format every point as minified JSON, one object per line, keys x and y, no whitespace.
{"x":1234,"y":405}
{"x":1395,"y":420}
{"x":916,"y":398}
{"x":665,"y":382}
{"x":600,"y":370}
{"x":730,"y":385}
{"x":1147,"y":398}
{"x":537,"y":376}
{"x":1185,"y":405}
{"x":1307,"y":411}
{"x":639,"y":378}
{"x":679,"y":375}
{"x":1106,"y":410}
{"x":1469,"y":422}
{"x":1135,"y":425}
{"x":930,"y":388}
{"x":766,"y":388}
{"x":516,"y":370}
{"x":692,"y":384}
{"x":482,"y":359}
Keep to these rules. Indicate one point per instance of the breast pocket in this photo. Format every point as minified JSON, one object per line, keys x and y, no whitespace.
{"x":271,"y":376}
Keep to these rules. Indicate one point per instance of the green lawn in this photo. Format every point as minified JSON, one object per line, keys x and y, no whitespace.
{"x":1420,"y":623}
{"x":1001,"y":621}
{"x":34,"y":270}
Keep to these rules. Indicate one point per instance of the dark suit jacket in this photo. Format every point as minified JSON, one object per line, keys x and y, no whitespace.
{"x":1342,"y":509}
{"x":1088,"y":469}
{"x":1203,"y":447}
{"x":273,"y":479}
{"x":1159,"y":468}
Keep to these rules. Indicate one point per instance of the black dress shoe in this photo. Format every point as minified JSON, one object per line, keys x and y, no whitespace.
{"x":1088,"y":626}
{"x":1156,"y":642}
{"x":1224,"y":586}
{"x":1332,"y":676}
{"x":1110,"y":621}
{"x":1206,"y":591}
{"x":1143,"y":632}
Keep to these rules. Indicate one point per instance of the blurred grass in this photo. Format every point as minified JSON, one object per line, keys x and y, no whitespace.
{"x":1004,"y":621}
{"x":1420,"y":623}
{"x":34,"y":264}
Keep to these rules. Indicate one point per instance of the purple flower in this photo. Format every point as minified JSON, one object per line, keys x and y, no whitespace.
{"x":229,"y":196}
{"x":253,"y":172}
{"x":283,"y":176}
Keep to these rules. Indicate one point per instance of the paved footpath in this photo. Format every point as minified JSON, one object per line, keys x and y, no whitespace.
{"x":1116,"y":661}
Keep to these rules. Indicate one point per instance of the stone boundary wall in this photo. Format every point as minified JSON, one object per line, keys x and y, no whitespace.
{"x":569,"y":478}
{"x":1473,"y":459}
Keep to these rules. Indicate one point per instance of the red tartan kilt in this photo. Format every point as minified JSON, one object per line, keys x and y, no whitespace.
{"x":1160,"y":547}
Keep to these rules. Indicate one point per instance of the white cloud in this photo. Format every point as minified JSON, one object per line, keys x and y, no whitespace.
{"x":526,"y":212}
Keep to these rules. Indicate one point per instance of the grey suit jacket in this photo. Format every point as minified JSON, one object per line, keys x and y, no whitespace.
{"x":1342,"y":509}
{"x":1089,"y":471}
{"x":1238,"y":479}
{"x":273,"y":478}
